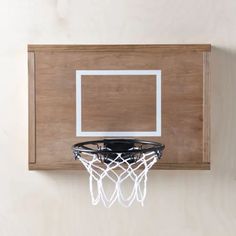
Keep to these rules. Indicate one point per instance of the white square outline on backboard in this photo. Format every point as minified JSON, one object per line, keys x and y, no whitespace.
{"x":79,"y":132}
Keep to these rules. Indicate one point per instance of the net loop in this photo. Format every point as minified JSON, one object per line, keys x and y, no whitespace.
{"x":117,"y":173}
{"x":110,"y":167}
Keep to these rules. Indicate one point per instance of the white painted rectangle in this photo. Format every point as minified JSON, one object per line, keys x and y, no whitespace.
{"x":80,"y":133}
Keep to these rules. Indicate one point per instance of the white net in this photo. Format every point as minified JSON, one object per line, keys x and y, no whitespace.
{"x":115,"y":174}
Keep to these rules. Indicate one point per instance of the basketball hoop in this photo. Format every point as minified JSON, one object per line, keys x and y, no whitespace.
{"x":118,"y":161}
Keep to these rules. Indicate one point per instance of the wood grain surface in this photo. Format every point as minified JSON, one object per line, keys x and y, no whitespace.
{"x":185,"y":113}
{"x":32,"y":115}
{"x":149,"y":48}
{"x":206,"y":107}
{"x":119,"y":103}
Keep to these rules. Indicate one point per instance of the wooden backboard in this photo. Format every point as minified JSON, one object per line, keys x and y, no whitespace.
{"x":86,"y":92}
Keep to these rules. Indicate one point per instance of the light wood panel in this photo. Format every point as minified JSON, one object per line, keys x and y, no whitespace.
{"x":159,"y":166}
{"x":149,"y":48}
{"x":32,"y":115}
{"x":119,"y":103}
{"x":185,"y":113}
{"x":206,"y":107}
